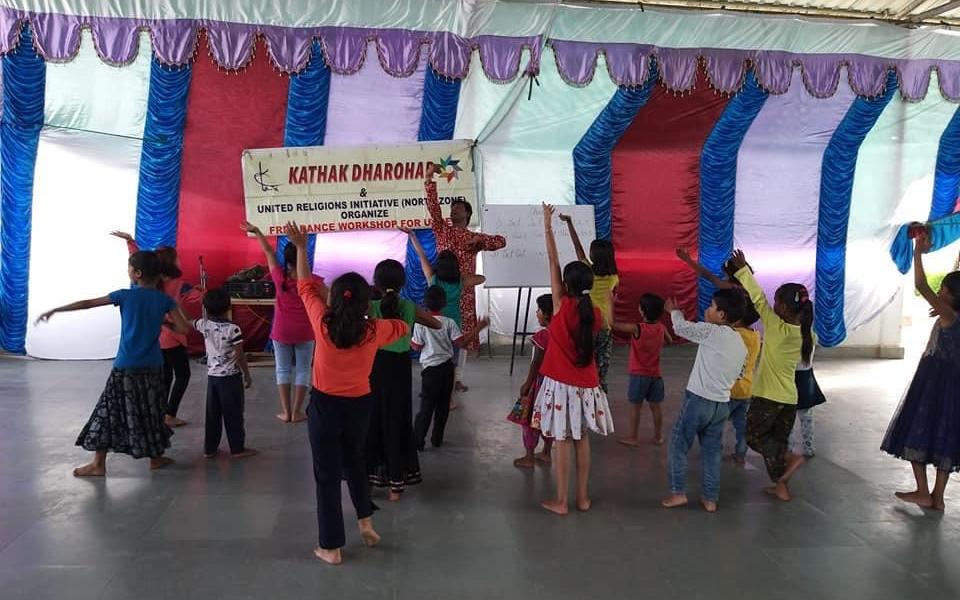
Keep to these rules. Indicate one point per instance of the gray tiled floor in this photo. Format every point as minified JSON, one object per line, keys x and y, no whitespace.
{"x":222,"y":529}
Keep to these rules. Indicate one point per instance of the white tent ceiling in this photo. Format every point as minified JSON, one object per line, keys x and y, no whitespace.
{"x":900,"y":11}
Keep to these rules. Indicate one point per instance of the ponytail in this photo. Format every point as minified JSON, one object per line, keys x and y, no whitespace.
{"x":346,"y":315}
{"x":389,"y":278}
{"x":578,"y":280}
{"x":805,"y":314}
{"x":584,"y":335}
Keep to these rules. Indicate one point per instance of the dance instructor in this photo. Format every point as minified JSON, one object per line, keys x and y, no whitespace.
{"x":457,"y":238}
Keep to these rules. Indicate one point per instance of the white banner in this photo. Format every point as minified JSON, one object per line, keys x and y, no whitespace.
{"x":347,"y":189}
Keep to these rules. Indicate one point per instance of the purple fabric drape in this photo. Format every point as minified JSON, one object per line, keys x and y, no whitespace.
{"x":232,"y":44}
{"x":577,"y":62}
{"x":371,"y":107}
{"x":778,"y":183}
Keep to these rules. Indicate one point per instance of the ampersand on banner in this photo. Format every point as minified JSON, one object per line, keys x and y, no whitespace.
{"x":363,"y":192}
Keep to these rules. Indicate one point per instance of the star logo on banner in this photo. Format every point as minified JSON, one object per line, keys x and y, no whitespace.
{"x":449,"y":168}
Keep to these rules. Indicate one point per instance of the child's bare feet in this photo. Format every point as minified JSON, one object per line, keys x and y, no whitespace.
{"x":633,"y":442}
{"x":454,"y":405}
{"x":298,"y":417}
{"x":90,"y":470}
{"x":674,"y":501}
{"x":370,"y":537}
{"x":542,"y":457}
{"x":211,"y":455}
{"x":331,"y":557}
{"x":284,"y":417}
{"x":459,"y":387}
{"x":739,"y":459}
{"x":938,"y":505}
{"x":555,"y":506}
{"x":583,"y":505}
{"x":525,"y":462}
{"x":394,"y":496}
{"x":171,"y":421}
{"x":658,"y":440}
{"x":709,"y":505}
{"x":918,"y":497}
{"x":247,"y":452}
{"x":780,"y":491}
{"x":794,"y":462}
{"x":160,"y":462}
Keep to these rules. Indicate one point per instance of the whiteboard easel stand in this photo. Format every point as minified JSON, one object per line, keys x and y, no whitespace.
{"x":516,"y":326}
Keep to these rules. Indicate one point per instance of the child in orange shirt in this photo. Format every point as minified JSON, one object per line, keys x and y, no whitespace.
{"x":338,"y":415}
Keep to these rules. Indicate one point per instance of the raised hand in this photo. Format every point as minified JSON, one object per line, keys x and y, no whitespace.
{"x":548,"y":211}
{"x":566,"y":218}
{"x":123,"y":235}
{"x":683,"y":255}
{"x":406,"y":230}
{"x":923,"y":243}
{"x":296,"y":237}
{"x":431,"y":170}
{"x":738,"y":259}
{"x":45,"y":317}
{"x":670,"y":305}
{"x":483,"y":323}
{"x":251,"y":228}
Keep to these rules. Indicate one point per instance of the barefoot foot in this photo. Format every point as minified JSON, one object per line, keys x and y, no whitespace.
{"x":674,"y":501}
{"x":459,"y":387}
{"x":211,"y":455}
{"x":331,"y":557}
{"x":370,"y":537}
{"x":160,"y":462}
{"x":780,"y":491}
{"x":90,"y":470}
{"x":584,"y":504}
{"x":739,"y":459}
{"x":525,"y":462}
{"x":709,"y":505}
{"x":394,"y":496}
{"x":284,"y":417}
{"x":555,"y":506}
{"x":921,"y":499}
{"x":170,"y":421}
{"x":629,"y":441}
{"x":542,"y":457}
{"x":247,"y":452}
{"x":298,"y":417}
{"x":658,"y":440}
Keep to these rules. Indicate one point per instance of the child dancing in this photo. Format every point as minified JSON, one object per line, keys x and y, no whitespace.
{"x":570,"y":398}
{"x":706,"y":405}
{"x":129,"y":417}
{"x":925,"y":430}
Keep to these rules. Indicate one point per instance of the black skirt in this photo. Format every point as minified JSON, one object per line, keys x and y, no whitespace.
{"x":128,"y":418}
{"x":392,"y":459}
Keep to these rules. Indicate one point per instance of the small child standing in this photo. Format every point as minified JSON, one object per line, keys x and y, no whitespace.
{"x":436,"y":347}
{"x":528,"y":391}
{"x":646,"y":383}
{"x":706,"y":405}
{"x":225,"y":363}
{"x":742,"y":390}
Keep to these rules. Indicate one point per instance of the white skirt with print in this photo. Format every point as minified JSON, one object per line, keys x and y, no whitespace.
{"x":561,"y":411}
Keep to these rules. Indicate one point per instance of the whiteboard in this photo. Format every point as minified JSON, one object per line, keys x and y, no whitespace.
{"x":523,"y":263}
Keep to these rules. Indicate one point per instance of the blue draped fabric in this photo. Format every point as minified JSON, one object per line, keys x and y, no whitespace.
{"x":439,"y":116}
{"x":718,"y":181}
{"x":158,"y":194}
{"x":946,"y":183}
{"x":836,"y":187}
{"x":24,"y":84}
{"x":307,"y":118}
{"x":943,"y":232}
{"x":591,"y":157}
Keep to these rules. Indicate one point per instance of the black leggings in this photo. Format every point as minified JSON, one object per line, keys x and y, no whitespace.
{"x":176,"y":376}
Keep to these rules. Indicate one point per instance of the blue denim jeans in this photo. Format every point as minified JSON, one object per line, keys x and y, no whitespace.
{"x":738,"y":417}
{"x":293,"y":363}
{"x":701,"y":419}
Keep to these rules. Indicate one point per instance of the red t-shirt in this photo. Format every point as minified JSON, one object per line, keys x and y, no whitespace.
{"x":560,"y":361}
{"x":645,"y":349}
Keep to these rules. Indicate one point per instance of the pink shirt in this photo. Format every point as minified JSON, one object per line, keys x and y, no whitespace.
{"x":290,"y":322}
{"x":168,"y":337}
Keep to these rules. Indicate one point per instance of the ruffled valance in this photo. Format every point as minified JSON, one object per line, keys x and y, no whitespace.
{"x":726,"y":68}
{"x":57,"y":38}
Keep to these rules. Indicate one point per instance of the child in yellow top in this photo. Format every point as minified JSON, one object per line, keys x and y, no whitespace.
{"x":603,"y":262}
{"x":788,"y":338}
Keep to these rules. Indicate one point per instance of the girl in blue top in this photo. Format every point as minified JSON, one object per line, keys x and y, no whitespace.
{"x":129,"y":417}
